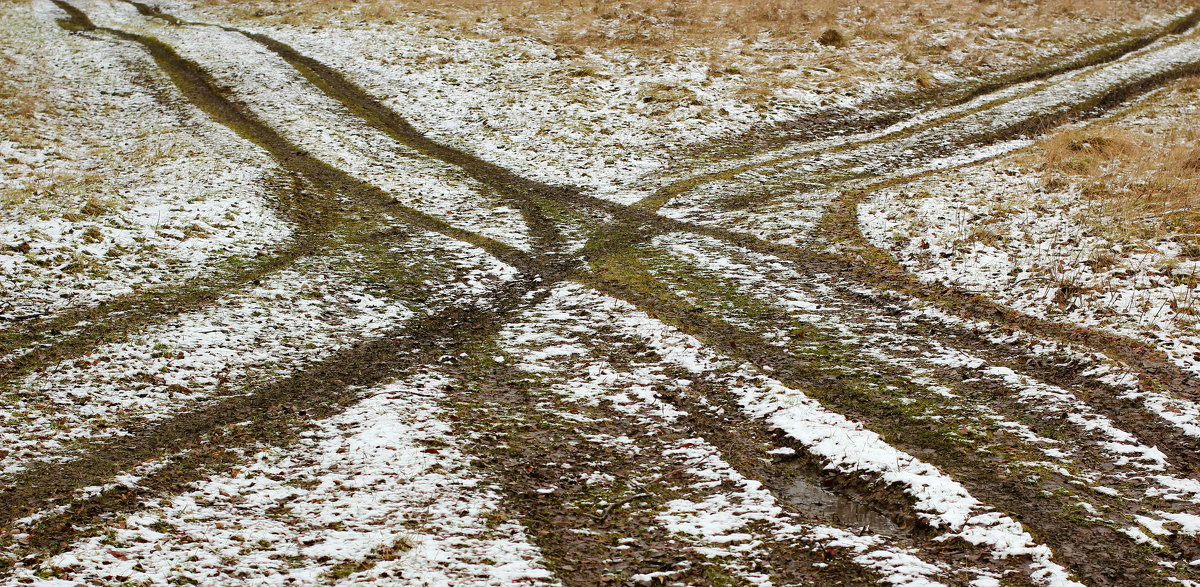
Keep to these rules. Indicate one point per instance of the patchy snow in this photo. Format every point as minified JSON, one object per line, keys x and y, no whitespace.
{"x":361,"y":497}
{"x":1039,"y":252}
{"x":113,"y":183}
{"x":844,"y":445}
{"x":384,"y":491}
{"x":296,"y":317}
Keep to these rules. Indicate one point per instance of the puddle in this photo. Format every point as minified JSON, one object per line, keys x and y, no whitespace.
{"x":814,"y":499}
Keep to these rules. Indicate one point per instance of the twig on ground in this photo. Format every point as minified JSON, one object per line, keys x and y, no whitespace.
{"x":613,"y":506}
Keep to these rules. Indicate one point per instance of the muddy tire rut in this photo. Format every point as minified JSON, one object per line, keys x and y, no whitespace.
{"x":514,"y":424}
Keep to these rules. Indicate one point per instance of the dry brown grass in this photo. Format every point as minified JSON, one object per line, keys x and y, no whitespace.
{"x":37,"y":115}
{"x":821,"y":45}
{"x":704,"y":22}
{"x":24,"y":96}
{"x":1086,"y":152}
{"x":1143,"y":167}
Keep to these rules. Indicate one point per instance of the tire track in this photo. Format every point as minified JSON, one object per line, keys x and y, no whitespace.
{"x":1085,"y":548}
{"x":873,"y":312}
{"x":709,"y":409}
{"x":645,"y":227}
{"x":356,"y":99}
{"x":201,"y":90}
{"x":869,"y":265}
{"x":888,"y":111}
{"x":518,"y":191}
{"x":315,"y":217}
{"x":32,"y":491}
{"x":62,"y":336}
{"x":522,"y":191}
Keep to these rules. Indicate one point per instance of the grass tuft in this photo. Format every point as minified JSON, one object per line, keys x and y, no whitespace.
{"x":1142,"y":168}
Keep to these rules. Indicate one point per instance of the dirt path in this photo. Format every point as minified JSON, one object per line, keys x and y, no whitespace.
{"x":740,"y":398}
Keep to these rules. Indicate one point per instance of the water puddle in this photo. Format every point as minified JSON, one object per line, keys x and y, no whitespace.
{"x":811,"y":498}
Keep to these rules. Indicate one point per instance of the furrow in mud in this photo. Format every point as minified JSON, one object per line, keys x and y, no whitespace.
{"x":388,"y":470}
{"x":881,"y":113}
{"x":872,"y":312}
{"x":589,"y":534}
{"x":333,"y":377}
{"x":314,"y":216}
{"x":797,"y":479}
{"x":521,"y":192}
{"x":270,"y":414}
{"x":1092,"y":550}
{"x":911,"y":148}
{"x":325,"y":384}
{"x":67,"y":335}
{"x":62,"y":336}
{"x":717,"y":416}
{"x":199,"y":87}
{"x":598,"y":372}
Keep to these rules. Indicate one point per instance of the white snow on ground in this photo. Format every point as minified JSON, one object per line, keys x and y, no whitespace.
{"x":724,"y":520}
{"x":1039,"y":252}
{"x":380,"y":493}
{"x":607,"y":118}
{"x":845,"y":445}
{"x":321,"y":126}
{"x":789,"y":189}
{"x":766,"y":278}
{"x":298,"y":316}
{"x":366,"y":485}
{"x":111,"y":185}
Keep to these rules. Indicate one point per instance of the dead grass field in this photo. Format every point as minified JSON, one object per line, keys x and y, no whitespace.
{"x":711,"y":22}
{"x":1143,"y":166}
{"x":27,"y":104}
{"x":773,"y":45}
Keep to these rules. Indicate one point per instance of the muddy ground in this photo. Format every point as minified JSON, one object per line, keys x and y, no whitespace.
{"x":483,"y":377}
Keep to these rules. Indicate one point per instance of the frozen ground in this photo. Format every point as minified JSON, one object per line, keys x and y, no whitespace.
{"x":409,"y":301}
{"x":1052,"y":250}
{"x":102,"y":189}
